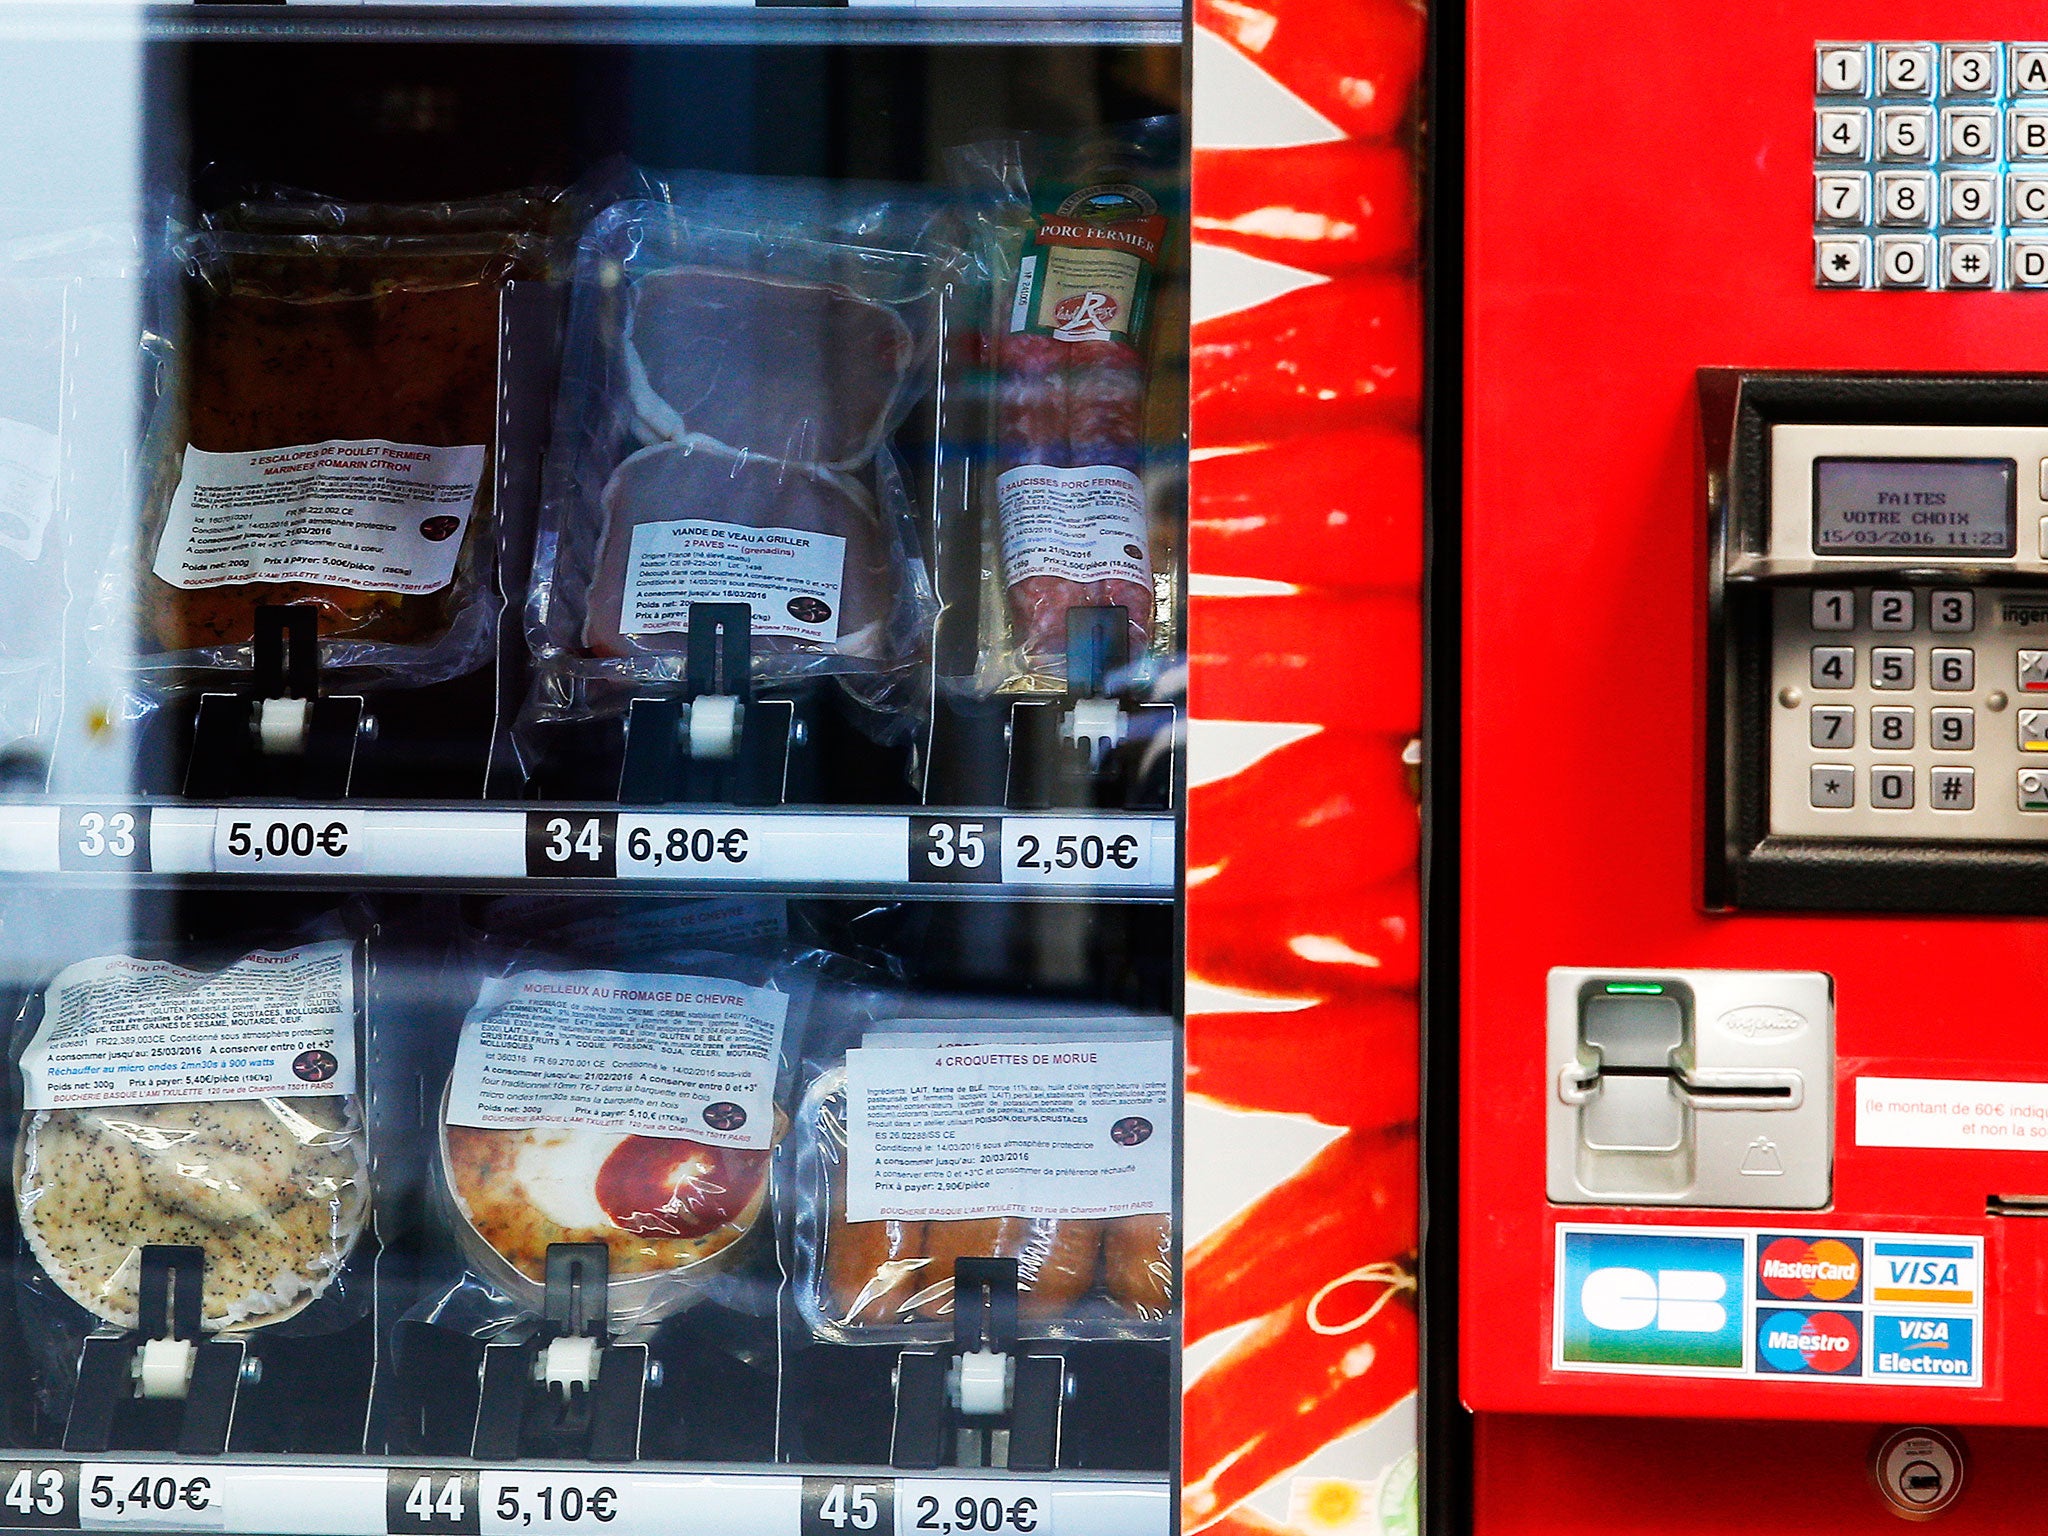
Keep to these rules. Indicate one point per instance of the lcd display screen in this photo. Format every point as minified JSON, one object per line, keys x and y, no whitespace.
{"x":1947,"y":507}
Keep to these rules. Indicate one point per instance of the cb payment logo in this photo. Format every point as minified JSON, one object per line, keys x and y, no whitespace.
{"x":1651,"y":1299}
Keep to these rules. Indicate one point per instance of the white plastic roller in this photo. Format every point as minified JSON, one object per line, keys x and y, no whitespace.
{"x":1098,"y":724}
{"x":163,"y":1367}
{"x":570,"y":1362}
{"x":714,"y":726}
{"x":981,"y":1383}
{"x":284,"y":726}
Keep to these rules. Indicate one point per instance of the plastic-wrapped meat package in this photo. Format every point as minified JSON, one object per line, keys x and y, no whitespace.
{"x":739,"y":352}
{"x":1071,"y":239}
{"x":800,"y":372}
{"x":326,"y":440}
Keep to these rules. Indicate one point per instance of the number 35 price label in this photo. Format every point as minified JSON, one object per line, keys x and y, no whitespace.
{"x":956,"y":1508}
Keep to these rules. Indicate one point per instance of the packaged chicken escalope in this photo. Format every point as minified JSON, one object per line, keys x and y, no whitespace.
{"x":640,"y":1109}
{"x":1051,"y":1145}
{"x":326,"y":434}
{"x":214,"y":1108}
{"x":739,"y":352}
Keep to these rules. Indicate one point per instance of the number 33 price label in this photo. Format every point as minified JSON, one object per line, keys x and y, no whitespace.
{"x":955,"y":1508}
{"x":289,"y":842}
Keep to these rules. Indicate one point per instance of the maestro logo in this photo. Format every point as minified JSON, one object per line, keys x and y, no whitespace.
{"x":1628,"y":1297}
{"x":1924,"y":1348}
{"x":1809,"y":1268}
{"x":1802,"y":1343}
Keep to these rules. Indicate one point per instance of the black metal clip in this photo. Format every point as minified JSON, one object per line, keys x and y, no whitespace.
{"x":996,"y":1405}
{"x":163,"y":1384}
{"x":1091,"y":746}
{"x":714,"y":740}
{"x":278,"y":734}
{"x":564,"y":1387}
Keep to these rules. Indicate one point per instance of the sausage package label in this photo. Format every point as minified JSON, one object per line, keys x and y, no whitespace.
{"x":692,"y":1057}
{"x":275,"y":1024}
{"x":942,"y":1129}
{"x":790,"y":577}
{"x":1086,"y":272}
{"x":28,"y":486}
{"x":1077,"y":524}
{"x":363,"y":514}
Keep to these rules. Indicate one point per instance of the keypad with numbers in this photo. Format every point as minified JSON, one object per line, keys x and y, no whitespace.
{"x":1930,"y":164}
{"x":1910,"y":711}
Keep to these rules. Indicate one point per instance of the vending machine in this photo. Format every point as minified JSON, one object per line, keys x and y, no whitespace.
{"x":1748,"y":1115}
{"x":688,"y":842}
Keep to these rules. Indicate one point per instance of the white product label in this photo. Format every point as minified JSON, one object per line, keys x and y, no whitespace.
{"x":685,"y":1056}
{"x":275,"y":1024}
{"x":1076,"y":1128}
{"x":1020,"y":306}
{"x":364,"y":514}
{"x":28,"y":486}
{"x":1951,"y":1113}
{"x":1077,"y":524}
{"x":788,"y":576}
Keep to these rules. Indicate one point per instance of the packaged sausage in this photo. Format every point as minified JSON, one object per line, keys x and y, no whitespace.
{"x":184,"y":1101}
{"x":936,"y":1141}
{"x":739,"y":353}
{"x":326,"y":436}
{"x":1073,"y":239}
{"x":637,"y":1108}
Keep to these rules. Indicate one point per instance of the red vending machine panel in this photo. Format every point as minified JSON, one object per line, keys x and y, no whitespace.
{"x":1753,"y":808}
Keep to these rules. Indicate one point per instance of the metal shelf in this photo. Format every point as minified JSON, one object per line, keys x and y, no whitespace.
{"x":1113,"y":856}
{"x":656,"y":21}
{"x":291,"y":1496}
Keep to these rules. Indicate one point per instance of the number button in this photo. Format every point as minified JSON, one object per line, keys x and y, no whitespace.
{"x":1905,"y":133}
{"x":1906,"y":69}
{"x":1891,"y":611}
{"x":2033,"y":790}
{"x":2033,"y":671}
{"x":1969,"y":198}
{"x":1953,"y":730}
{"x":1905,"y":197}
{"x":1968,"y":262}
{"x":2026,"y":134}
{"x":1891,"y":730}
{"x":2029,"y":70}
{"x":1841,"y":199}
{"x":1891,"y":667}
{"x":1834,"y":608}
{"x":1832,"y":787}
{"x":1951,"y":671}
{"x":1972,"y":69}
{"x":1952,"y":613}
{"x":1843,"y":134}
{"x":1891,"y":789}
{"x":1840,"y":71}
{"x":1952,"y":789}
{"x":1970,"y":135}
{"x":1834,"y":666}
{"x":2033,"y":728}
{"x":1832,"y":725}
{"x":1839,"y":263}
{"x":1904,"y":261}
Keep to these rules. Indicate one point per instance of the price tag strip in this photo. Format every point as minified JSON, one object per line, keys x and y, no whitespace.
{"x":283,"y":1498}
{"x":958,"y":853}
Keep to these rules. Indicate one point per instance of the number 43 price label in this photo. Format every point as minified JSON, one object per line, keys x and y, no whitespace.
{"x":160,"y":1496}
{"x":957,"y":1508}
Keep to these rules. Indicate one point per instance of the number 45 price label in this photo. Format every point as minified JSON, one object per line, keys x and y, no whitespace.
{"x":957,"y":1508}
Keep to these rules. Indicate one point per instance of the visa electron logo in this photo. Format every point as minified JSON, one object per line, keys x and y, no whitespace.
{"x":1809,"y":1269}
{"x":1628,"y":1297}
{"x":1923,"y":1347}
{"x":1944,"y":1273}
{"x":1810,"y":1343}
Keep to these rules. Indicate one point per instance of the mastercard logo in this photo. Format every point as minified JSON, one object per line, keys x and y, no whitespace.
{"x":1794,"y":1269}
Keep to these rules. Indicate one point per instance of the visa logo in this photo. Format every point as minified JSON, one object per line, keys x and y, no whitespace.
{"x":1926,"y":1271}
{"x":1926,"y":1331}
{"x":1923,"y":1272}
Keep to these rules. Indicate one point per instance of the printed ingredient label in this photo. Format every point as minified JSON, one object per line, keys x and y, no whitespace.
{"x":1951,"y":1113}
{"x":28,"y":486}
{"x":1083,"y":524}
{"x":685,"y":1056}
{"x":275,"y":1024}
{"x":364,"y":514}
{"x":789,"y":577}
{"x":1075,"y":1129}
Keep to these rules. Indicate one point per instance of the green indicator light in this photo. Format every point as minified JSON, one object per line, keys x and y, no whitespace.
{"x":1637,"y":988}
